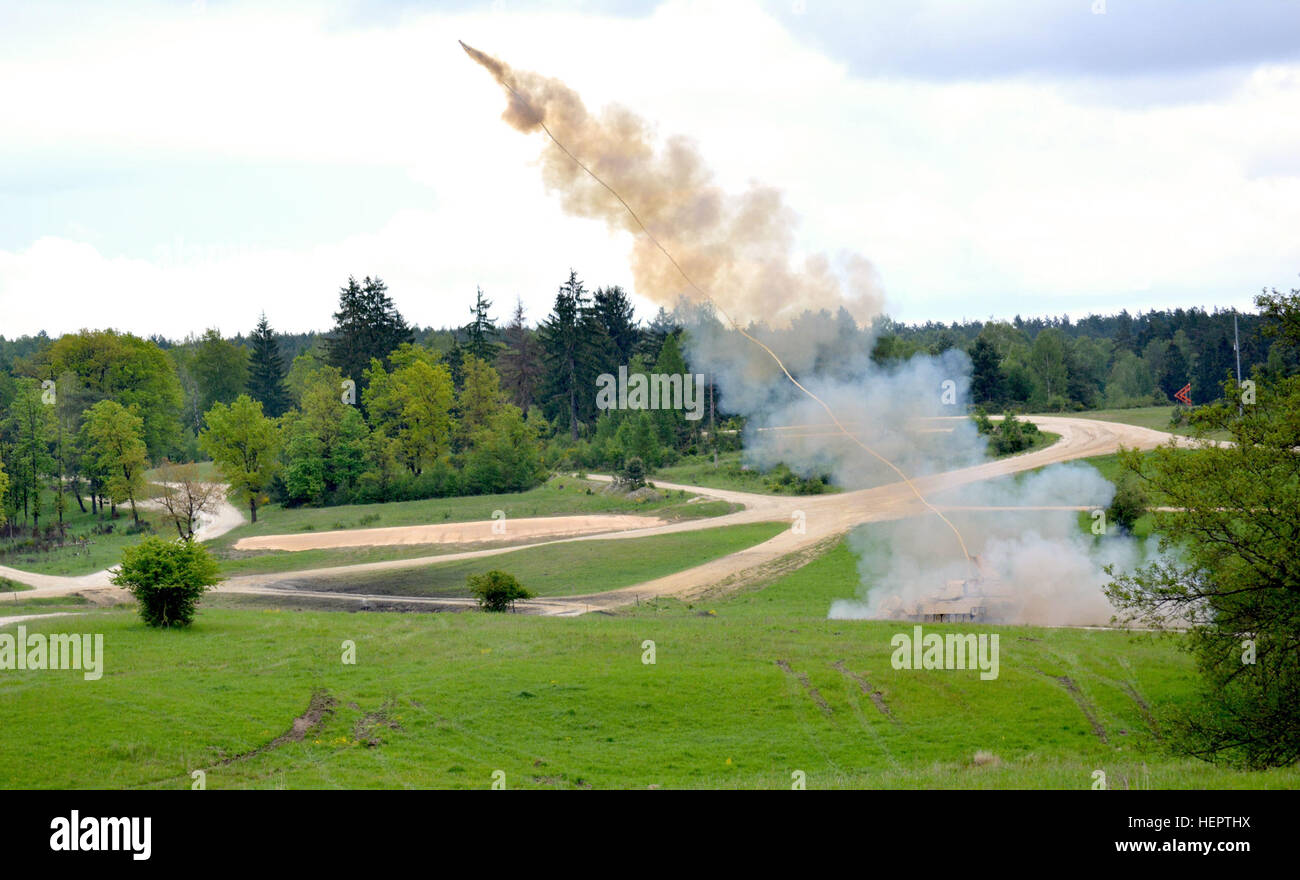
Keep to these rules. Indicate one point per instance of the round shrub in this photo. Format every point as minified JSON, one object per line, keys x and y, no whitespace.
{"x":496,"y":590}
{"x":167,"y":579}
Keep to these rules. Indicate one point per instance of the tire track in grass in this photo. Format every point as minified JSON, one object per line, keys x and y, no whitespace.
{"x":1088,"y":710}
{"x":1143,"y":708}
{"x":808,"y":731}
{"x":877,"y":697}
{"x":319,"y":710}
{"x":1131,"y":686}
{"x":866,"y":725}
{"x":813,"y":693}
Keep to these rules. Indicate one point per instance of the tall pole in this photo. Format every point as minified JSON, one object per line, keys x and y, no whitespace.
{"x":1236,"y":347}
{"x":1236,"y":344}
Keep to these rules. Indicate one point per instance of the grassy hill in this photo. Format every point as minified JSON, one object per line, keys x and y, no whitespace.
{"x":745,"y":691}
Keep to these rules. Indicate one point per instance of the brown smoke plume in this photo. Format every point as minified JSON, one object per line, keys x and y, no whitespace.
{"x":739,"y":249}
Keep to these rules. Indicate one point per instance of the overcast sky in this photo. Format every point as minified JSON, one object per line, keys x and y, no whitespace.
{"x":168,"y":167}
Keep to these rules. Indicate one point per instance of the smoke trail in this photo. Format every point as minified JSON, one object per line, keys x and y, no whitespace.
{"x":762,"y":238}
{"x":739,"y":248}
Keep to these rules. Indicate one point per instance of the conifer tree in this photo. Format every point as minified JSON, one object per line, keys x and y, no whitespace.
{"x":266,"y":371}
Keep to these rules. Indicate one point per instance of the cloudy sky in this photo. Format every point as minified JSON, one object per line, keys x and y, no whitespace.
{"x":167,"y":167}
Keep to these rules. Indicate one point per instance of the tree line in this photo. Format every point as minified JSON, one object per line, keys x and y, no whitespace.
{"x":373,"y":410}
{"x":376,"y":409}
{"x":1114,"y":361}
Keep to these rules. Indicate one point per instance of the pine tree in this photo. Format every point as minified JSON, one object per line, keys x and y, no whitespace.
{"x":613,"y":312}
{"x":987,"y":384}
{"x":29,"y":425}
{"x":673,"y":427}
{"x":520,"y":362}
{"x":652,"y":338}
{"x":266,"y":371}
{"x":1174,"y":371}
{"x":367,"y":325}
{"x":456,"y":363}
{"x":482,"y":330}
{"x":567,"y":338}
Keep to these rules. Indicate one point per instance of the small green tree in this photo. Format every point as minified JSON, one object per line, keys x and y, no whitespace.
{"x":167,"y":578}
{"x":496,"y":590}
{"x":633,"y":473}
{"x":117,"y":441}
{"x":266,"y":370}
{"x":1230,"y":573}
{"x":244,"y":443}
{"x":1129,"y":503}
{"x":505,"y":455}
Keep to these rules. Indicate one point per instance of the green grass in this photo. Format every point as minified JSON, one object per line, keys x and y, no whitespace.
{"x":8,"y":586}
{"x":204,"y":470}
{"x":564,"y":569}
{"x":1154,"y":417}
{"x":99,"y":551}
{"x":1038,"y":440}
{"x":699,"y":470}
{"x":42,"y":605}
{"x":568,"y":703}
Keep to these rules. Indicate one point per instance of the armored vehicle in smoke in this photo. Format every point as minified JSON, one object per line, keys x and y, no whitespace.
{"x":980,"y":599}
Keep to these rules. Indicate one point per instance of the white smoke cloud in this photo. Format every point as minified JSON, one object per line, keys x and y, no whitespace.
{"x":1040,"y":564}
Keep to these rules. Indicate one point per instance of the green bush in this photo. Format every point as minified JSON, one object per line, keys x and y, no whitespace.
{"x":1012,"y":435}
{"x":496,"y":590}
{"x":1129,"y":503}
{"x":167,"y":578}
{"x":785,"y":481}
{"x":633,"y":473}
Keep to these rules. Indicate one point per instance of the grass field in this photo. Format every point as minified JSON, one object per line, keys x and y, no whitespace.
{"x":448,"y":699}
{"x":565,"y":569}
{"x":14,"y":604}
{"x":1154,"y":417}
{"x":730,"y":473}
{"x":84,"y":550}
{"x":203,"y":470}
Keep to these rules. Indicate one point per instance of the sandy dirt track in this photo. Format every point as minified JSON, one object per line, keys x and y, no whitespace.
{"x":452,"y":533}
{"x":825,"y":518}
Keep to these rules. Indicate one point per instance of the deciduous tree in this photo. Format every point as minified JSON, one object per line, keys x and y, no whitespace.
{"x":244,"y":444}
{"x":117,"y":442}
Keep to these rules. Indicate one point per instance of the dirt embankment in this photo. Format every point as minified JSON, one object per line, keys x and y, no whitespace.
{"x":452,"y":533}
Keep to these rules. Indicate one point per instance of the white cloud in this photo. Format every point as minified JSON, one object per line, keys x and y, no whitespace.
{"x":971,"y":198}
